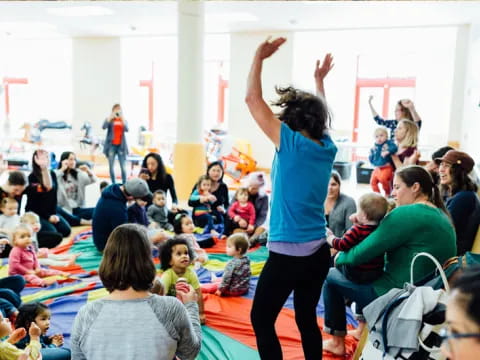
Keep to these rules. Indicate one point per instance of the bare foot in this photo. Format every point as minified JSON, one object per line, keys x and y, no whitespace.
{"x":356,"y":333}
{"x":334,"y":346}
{"x":74,"y":258}
{"x":85,"y":222}
{"x":214,"y":233}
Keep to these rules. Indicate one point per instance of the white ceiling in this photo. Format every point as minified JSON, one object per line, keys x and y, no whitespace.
{"x":149,"y":18}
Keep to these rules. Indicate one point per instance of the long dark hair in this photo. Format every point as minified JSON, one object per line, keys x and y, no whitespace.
{"x":65,"y":155}
{"x":216,"y":163}
{"x":460,"y":182}
{"x":412,"y":174}
{"x":36,"y":170}
{"x":27,"y":314}
{"x":161,"y":171}
{"x":303,"y":111}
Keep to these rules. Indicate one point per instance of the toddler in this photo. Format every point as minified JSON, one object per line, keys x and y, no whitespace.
{"x":39,"y":314}
{"x":8,"y":351}
{"x":175,"y":258}
{"x":381,"y":158}
{"x":242,"y":209}
{"x":9,"y":219}
{"x":184,"y":228}
{"x":372,"y":208}
{"x":236,"y":277}
{"x":158,"y":213}
{"x":137,"y":214}
{"x":203,"y":212}
{"x":43,"y":254}
{"x":23,"y":259}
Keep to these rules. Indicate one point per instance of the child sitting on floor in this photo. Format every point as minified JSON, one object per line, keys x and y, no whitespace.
{"x":236,"y":277}
{"x":242,"y":209}
{"x":8,"y":351}
{"x":203,"y":212}
{"x":9,"y":219}
{"x":176,"y":257}
{"x":23,"y":259}
{"x":372,"y":208}
{"x":43,"y":254}
{"x":183,"y":227}
{"x":40,"y":315}
{"x":137,"y":213}
{"x":158,"y":212}
{"x":381,"y":157}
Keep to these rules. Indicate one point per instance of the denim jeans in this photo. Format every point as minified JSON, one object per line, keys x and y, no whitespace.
{"x":117,"y":150}
{"x":336,"y":289}
{"x":10,"y":288}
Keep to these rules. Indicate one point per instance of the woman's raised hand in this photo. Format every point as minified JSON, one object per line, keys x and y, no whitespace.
{"x":267,"y":48}
{"x":41,"y":159}
{"x":322,"y":70}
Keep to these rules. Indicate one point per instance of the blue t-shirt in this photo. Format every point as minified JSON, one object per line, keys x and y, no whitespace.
{"x":300,"y":174}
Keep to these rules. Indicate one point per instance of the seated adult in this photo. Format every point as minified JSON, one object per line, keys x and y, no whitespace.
{"x":42,"y":200}
{"x":10,"y":300}
{"x":155,"y":174}
{"x":419,"y":224}
{"x":461,"y":338}
{"x":461,"y":196}
{"x":432,"y":166}
{"x":218,"y":189}
{"x":338,"y":207}
{"x":131,"y":322}
{"x":71,"y":189}
{"x":111,"y":210}
{"x":406,"y":138}
{"x":257,"y":196}
{"x":14,"y":187}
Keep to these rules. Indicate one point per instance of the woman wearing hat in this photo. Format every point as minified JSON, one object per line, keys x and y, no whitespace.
{"x":460,"y":196}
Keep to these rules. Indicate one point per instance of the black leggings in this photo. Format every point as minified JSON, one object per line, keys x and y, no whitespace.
{"x":280,"y":275}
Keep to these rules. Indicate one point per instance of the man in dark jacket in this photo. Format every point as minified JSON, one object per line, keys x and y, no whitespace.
{"x":111,"y":209}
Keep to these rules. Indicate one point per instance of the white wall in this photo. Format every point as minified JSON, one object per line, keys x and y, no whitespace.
{"x":277,"y":70}
{"x":96,"y":76}
{"x":471,"y":115}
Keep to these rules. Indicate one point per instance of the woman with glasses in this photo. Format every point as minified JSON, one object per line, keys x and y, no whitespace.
{"x":462,"y":334}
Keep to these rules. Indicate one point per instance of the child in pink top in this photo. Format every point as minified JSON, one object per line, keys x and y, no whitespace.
{"x":242,"y":209}
{"x":23,"y":260}
{"x":184,"y":228}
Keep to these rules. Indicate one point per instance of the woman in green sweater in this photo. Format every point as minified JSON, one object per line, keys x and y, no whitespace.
{"x":419,"y":224}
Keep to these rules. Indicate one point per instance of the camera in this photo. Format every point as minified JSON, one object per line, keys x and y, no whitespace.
{"x":117,"y":114}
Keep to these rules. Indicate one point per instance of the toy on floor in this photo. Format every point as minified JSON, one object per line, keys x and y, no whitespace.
{"x":238,"y":164}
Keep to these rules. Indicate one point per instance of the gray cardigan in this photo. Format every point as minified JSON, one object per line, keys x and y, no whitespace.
{"x":338,"y":220}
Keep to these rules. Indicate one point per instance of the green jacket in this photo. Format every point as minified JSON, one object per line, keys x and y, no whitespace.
{"x":406,"y":231}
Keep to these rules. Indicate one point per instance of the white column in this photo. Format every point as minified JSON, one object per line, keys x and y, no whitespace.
{"x":277,"y":70}
{"x":189,"y":152}
{"x":96,"y":73}
{"x":190,"y":71}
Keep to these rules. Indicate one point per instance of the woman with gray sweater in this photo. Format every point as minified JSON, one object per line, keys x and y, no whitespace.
{"x":131,"y":322}
{"x":338,"y":207}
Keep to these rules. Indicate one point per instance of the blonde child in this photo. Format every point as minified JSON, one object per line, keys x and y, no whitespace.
{"x":23,"y":259}
{"x":184,"y":228}
{"x":176,"y":257}
{"x":203,"y":213}
{"x":372,"y":208}
{"x":9,"y":219}
{"x":236,"y":277}
{"x":8,"y":351}
{"x":381,"y":157}
{"x":242,"y":209}
{"x":43,"y":254}
{"x":38,"y":314}
{"x":157,"y":213}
